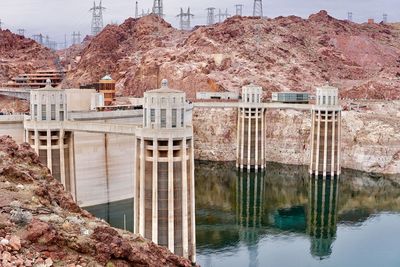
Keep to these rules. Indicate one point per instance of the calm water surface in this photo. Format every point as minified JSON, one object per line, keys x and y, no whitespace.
{"x":285,"y":218}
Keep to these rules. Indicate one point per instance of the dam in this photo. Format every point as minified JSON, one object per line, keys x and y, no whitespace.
{"x":147,"y":154}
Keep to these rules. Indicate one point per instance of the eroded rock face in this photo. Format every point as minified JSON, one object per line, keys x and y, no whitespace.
{"x":370,"y":136}
{"x":41,"y":224}
{"x":22,"y":55}
{"x":286,"y":53}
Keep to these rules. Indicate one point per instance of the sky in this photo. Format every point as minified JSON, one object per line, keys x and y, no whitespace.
{"x":59,"y":18}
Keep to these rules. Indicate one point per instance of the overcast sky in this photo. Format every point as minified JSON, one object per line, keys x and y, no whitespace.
{"x":59,"y":17}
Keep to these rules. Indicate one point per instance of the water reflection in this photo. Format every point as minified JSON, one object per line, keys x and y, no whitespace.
{"x":322,"y":215}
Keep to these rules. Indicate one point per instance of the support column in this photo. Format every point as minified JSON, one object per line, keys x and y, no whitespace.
{"x":171,"y":218}
{"x":185,"y":237}
{"x":242,"y":112}
{"x":333,"y":143}
{"x":318,"y":143}
{"x":142,"y":187}
{"x":37,"y":143}
{"x":249,"y":141}
{"x":72,"y":174}
{"x":238,"y":139}
{"x":256,"y":162}
{"x":263,"y":138}
{"x":62,"y":157}
{"x":325,"y":143}
{"x":49,"y":152}
{"x":312,"y":141}
{"x":339,"y":142}
{"x":192,"y":202}
{"x":154,"y":198}
{"x":136,"y":178}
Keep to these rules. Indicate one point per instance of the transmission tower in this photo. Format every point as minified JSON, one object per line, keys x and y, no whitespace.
{"x":136,"y":10}
{"x":158,"y":8}
{"x":385,"y":18}
{"x":222,"y":16}
{"x":239,"y":9}
{"x":350,"y":16}
{"x":1,"y":23}
{"x":258,"y":8}
{"x":21,"y":32}
{"x":210,"y":15}
{"x":185,"y":19}
{"x":144,"y":13}
{"x":97,"y":18}
{"x":76,"y":38}
{"x":38,"y":38}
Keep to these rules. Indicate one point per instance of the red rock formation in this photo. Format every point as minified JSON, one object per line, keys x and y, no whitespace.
{"x":41,"y":224}
{"x":21,"y":55}
{"x":286,"y":53}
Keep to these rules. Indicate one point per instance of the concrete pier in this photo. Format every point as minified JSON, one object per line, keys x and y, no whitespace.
{"x":326,"y":133}
{"x":164,"y":209}
{"x":251,"y":130}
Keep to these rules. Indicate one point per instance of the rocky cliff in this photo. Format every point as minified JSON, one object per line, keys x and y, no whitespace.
{"x":370,"y":136}
{"x":285,"y":53}
{"x":21,"y":55}
{"x":40,"y":224}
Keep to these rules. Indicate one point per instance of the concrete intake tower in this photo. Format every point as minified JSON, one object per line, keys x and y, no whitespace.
{"x":164,"y":209}
{"x":251,"y":130}
{"x":326,"y":133}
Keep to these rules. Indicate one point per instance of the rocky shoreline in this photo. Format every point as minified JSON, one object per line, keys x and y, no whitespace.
{"x":41,"y":225}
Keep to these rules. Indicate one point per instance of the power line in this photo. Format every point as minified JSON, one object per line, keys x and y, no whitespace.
{"x":97,"y":18}
{"x":185,"y":20}
{"x":210,"y":15}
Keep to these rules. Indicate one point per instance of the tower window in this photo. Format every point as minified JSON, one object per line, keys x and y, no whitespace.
{"x":152,"y":115}
{"x":174,"y":118}
{"x":43,"y":112}
{"x":53,"y":112}
{"x":182,"y":117}
{"x":163,"y":118}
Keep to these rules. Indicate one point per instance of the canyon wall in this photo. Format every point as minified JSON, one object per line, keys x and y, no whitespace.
{"x":370,"y":136}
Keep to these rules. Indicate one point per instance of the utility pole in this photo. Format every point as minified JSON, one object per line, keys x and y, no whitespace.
{"x":97,"y":18}
{"x":21,"y":32}
{"x":239,"y":9}
{"x":222,"y":16}
{"x":258,"y":8}
{"x":158,"y":8}
{"x":185,"y":19}
{"x":385,"y":18}
{"x":136,"y":10}
{"x":76,"y":38}
{"x":210,"y":15}
{"x":350,"y":16}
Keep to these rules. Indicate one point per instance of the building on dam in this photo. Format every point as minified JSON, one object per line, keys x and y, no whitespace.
{"x":164,"y":210}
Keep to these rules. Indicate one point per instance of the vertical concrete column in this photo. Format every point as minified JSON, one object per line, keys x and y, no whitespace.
{"x":37,"y":142}
{"x":249,"y":141}
{"x":318,"y":143}
{"x":325,"y":144}
{"x":72,"y":175}
{"x":339,"y":142}
{"x":333,"y":143}
{"x":49,"y":152}
{"x":263,"y":138}
{"x":185,"y":223}
{"x":242,"y":113}
{"x":62,"y":157}
{"x":192,"y":202}
{"x":106,"y":166}
{"x":141,"y":188}
{"x":136,"y":186}
{"x":171,"y":218}
{"x":238,"y":139}
{"x":312,"y":141}
{"x":154,"y":233}
{"x":256,"y":162}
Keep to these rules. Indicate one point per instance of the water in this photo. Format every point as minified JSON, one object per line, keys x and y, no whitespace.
{"x":284,"y":218}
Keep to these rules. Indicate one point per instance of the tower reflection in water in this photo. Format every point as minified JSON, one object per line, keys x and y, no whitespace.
{"x":322,"y":215}
{"x":249,"y":210}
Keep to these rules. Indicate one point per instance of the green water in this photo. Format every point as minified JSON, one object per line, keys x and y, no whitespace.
{"x":285,"y":218}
